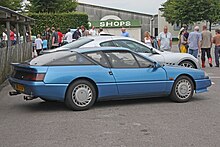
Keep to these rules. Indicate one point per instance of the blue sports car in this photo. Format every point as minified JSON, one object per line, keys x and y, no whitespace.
{"x":80,"y":77}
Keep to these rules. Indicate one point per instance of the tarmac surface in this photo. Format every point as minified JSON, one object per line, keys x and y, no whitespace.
{"x":152,"y":122}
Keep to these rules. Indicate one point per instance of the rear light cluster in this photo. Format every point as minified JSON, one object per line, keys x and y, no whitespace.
{"x":28,"y":76}
{"x":34,"y":77}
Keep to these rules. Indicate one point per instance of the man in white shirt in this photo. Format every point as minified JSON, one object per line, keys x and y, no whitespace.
{"x":68,"y":36}
{"x":165,"y":40}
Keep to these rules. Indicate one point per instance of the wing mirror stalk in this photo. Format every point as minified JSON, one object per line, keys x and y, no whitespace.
{"x":152,"y":51}
{"x":156,"y":65}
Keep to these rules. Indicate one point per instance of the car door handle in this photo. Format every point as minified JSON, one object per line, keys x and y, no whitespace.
{"x":110,"y":72}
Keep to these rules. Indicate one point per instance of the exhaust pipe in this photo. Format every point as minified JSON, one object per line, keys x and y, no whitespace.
{"x":12,"y":93}
{"x":29,"y":97}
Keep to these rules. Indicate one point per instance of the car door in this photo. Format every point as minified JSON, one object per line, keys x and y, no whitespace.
{"x":136,"y":75}
{"x":107,"y":85}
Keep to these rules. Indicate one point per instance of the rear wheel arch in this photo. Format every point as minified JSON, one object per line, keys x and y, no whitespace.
{"x":83,"y":78}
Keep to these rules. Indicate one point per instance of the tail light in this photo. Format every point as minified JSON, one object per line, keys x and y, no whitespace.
{"x":28,"y":76}
{"x":34,"y":77}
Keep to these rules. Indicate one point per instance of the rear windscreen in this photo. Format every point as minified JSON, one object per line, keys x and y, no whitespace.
{"x":78,"y":43}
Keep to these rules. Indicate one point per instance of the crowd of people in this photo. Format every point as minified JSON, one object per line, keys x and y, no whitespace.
{"x":200,"y":42}
{"x":53,"y":38}
{"x":12,"y":37}
{"x":193,"y":43}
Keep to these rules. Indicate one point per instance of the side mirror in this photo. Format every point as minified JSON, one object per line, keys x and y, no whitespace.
{"x":156,"y":65}
{"x":153,"y":51}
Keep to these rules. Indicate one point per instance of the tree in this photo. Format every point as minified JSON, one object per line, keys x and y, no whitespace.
{"x":190,"y":11}
{"x":11,"y":4}
{"x":52,"y":6}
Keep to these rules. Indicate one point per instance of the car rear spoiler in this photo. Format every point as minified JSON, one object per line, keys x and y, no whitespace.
{"x":29,"y":68}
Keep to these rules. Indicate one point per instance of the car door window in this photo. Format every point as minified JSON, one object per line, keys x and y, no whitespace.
{"x":98,"y":57}
{"x":144,"y":63}
{"x":121,"y":59}
{"x":134,"y":46}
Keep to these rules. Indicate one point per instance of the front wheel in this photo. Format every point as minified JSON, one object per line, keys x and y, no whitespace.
{"x":81,"y":95}
{"x":182,"y":90}
{"x":188,"y":64}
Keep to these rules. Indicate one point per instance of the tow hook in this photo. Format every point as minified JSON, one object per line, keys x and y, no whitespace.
{"x":12,"y":93}
{"x":29,"y":97}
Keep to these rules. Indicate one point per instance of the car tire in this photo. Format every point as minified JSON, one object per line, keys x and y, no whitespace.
{"x":188,"y":64}
{"x":81,"y":95}
{"x":182,"y":90}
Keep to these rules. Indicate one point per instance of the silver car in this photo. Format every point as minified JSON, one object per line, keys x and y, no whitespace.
{"x":163,"y":57}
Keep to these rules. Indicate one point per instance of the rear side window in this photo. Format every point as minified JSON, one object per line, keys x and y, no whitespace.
{"x":107,"y":44}
{"x":98,"y":57}
{"x":75,"y":59}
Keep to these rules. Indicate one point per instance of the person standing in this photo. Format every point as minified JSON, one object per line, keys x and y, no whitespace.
{"x":77,"y":34}
{"x":68,"y":36}
{"x":4,"y":37}
{"x":47,"y":35}
{"x":206,"y":45}
{"x":38,"y":44}
{"x":92,"y":31}
{"x":186,"y":36}
{"x":60,"y":36}
{"x":183,"y":42}
{"x":45,"y":43}
{"x":216,"y":41}
{"x":179,"y":37}
{"x":124,"y":32}
{"x":194,"y":41}
{"x":12,"y":37}
{"x":165,"y":40}
{"x":186,"y":33}
{"x":147,"y":39}
{"x":15,"y":36}
{"x":84,"y":31}
{"x":55,"y":42}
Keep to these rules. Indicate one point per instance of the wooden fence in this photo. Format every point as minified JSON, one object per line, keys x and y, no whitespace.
{"x":13,"y":54}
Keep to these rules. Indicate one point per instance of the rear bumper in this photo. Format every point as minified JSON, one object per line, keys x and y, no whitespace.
{"x":202,"y":85}
{"x":40,"y":89}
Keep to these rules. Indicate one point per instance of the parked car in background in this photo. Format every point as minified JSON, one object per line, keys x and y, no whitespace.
{"x":80,"y":77}
{"x":163,"y":57}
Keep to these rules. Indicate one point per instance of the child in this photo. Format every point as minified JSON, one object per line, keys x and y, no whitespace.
{"x":38,"y":44}
{"x":45,"y":43}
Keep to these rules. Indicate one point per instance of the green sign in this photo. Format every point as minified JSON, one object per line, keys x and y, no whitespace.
{"x":115,"y":23}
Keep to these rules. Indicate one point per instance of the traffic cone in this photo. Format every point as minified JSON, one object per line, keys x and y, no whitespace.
{"x":210,"y":62}
{"x":203,"y":64}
